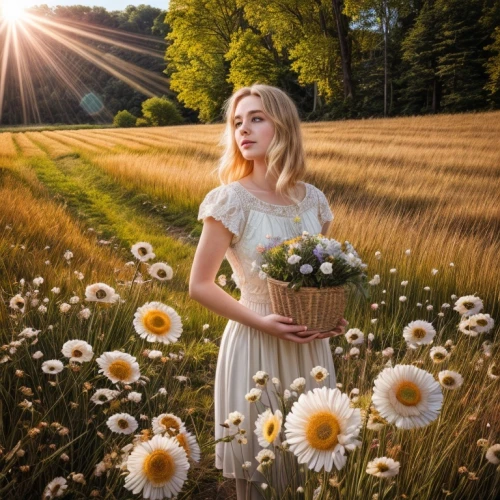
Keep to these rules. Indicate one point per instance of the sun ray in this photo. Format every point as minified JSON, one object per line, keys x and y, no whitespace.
{"x":30,"y":48}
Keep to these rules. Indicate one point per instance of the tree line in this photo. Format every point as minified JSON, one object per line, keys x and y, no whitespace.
{"x":338,"y":58}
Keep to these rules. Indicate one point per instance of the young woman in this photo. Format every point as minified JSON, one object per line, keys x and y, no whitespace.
{"x":261,"y":195}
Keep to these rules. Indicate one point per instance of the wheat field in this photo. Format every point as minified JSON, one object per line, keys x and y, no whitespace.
{"x":416,"y":196}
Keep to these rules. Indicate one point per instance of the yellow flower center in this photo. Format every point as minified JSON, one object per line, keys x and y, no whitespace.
{"x":170,"y":423}
{"x":181,"y":439}
{"x":122,"y":423}
{"x":438,"y":356}
{"x":100,"y":294}
{"x":161,"y":273}
{"x":271,"y":429}
{"x":55,"y":488}
{"x":354,"y":337}
{"x":159,"y":467}
{"x":120,"y":369}
{"x":468,"y":305}
{"x":319,"y":376}
{"x":408,"y":393}
{"x":481,"y":322}
{"x":448,"y":380}
{"x":494,"y":370}
{"x":382,"y":467}
{"x":322,"y":430}
{"x":142,"y":251}
{"x":77,"y":353}
{"x":419,"y":333}
{"x":157,"y":322}
{"x":20,"y":304}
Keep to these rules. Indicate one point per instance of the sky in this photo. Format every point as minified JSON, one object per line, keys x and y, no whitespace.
{"x":108,"y":4}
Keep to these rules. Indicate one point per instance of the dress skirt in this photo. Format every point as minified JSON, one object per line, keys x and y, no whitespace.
{"x":243,"y":352}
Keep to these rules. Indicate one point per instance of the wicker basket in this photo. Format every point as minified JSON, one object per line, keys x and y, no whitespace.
{"x":318,"y":308}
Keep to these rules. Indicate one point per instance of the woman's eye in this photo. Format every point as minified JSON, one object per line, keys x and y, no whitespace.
{"x":239,"y":123}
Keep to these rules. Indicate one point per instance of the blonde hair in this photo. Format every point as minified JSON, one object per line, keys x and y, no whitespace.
{"x":285,"y":157}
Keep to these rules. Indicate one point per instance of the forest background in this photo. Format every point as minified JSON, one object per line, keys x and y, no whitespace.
{"x":337,"y":59}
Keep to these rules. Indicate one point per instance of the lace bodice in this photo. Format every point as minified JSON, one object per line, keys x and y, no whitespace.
{"x":253,"y":221}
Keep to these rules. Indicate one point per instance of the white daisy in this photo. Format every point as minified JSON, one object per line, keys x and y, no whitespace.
{"x":155,"y":354}
{"x":29,"y":333}
{"x":294,"y":259}
{"x":161,"y":271}
{"x":375,"y":280}
{"x":55,"y":488}
{"x":52,"y":366}
{"x":354,"y":336}
{"x":168,"y":423}
{"x":100,"y":292}
{"x":299,"y":384}
{"x":102,"y":396}
{"x":319,"y":373}
{"x":187,"y":441}
{"x":419,"y":332}
{"x":468,"y":305}
{"x":254,"y":395}
{"x":375,"y":421}
{"x":122,"y":423}
{"x":482,"y":323}
{"x":354,"y":351}
{"x":84,"y":313}
{"x":466,"y":327}
{"x":17,"y":303}
{"x":236,"y":418}
{"x":407,"y":396}
{"x":321,"y":427}
{"x":37,"y":355}
{"x":450,"y":379}
{"x":383,"y":467}
{"x":261,"y":378}
{"x":438,"y":354}
{"x":268,"y":427}
{"x":135,"y":397}
{"x":157,"y":322}
{"x":265,"y":457}
{"x":119,"y":367}
{"x":68,"y":255}
{"x":157,"y":468}
{"x":142,"y":251}
{"x":64,"y":307}
{"x":77,"y":350}
{"x":493,"y":454}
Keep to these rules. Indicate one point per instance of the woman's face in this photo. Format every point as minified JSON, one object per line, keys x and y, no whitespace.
{"x":253,"y":125}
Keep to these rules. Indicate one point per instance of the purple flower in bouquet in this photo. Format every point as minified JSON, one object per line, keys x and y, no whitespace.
{"x":306,"y":269}
{"x":318,"y":252}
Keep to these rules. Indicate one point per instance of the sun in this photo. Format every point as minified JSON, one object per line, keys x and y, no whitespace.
{"x":12,"y":11}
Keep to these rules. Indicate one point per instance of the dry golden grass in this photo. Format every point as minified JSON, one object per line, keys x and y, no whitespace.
{"x":28,"y":148}
{"x":54,"y":148}
{"x":7,"y":146}
{"x":426,"y":183}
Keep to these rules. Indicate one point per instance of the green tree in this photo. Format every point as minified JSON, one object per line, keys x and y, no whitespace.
{"x":251,"y":61}
{"x":200,"y":37}
{"x":124,"y":119}
{"x":493,"y":64}
{"x":160,"y":111}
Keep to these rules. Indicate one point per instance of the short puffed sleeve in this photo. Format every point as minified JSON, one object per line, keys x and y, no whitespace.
{"x":324,"y":212}
{"x":223,"y":204}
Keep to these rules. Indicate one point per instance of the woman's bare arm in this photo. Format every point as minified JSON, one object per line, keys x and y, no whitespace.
{"x":214,"y":241}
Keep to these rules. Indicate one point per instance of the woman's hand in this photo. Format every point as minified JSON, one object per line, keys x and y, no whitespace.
{"x":282,"y":327}
{"x":338,"y":330}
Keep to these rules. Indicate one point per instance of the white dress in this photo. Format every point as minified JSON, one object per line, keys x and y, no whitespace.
{"x":244,"y":350}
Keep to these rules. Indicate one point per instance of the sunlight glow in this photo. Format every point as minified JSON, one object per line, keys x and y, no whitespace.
{"x":12,"y":11}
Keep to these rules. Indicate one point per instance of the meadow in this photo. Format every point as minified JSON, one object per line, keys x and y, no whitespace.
{"x":417,"y":197}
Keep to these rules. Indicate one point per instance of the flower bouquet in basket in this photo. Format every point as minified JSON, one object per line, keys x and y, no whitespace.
{"x":308,"y":277}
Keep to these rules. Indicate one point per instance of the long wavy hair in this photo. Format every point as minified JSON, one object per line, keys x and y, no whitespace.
{"x":285,"y":157}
